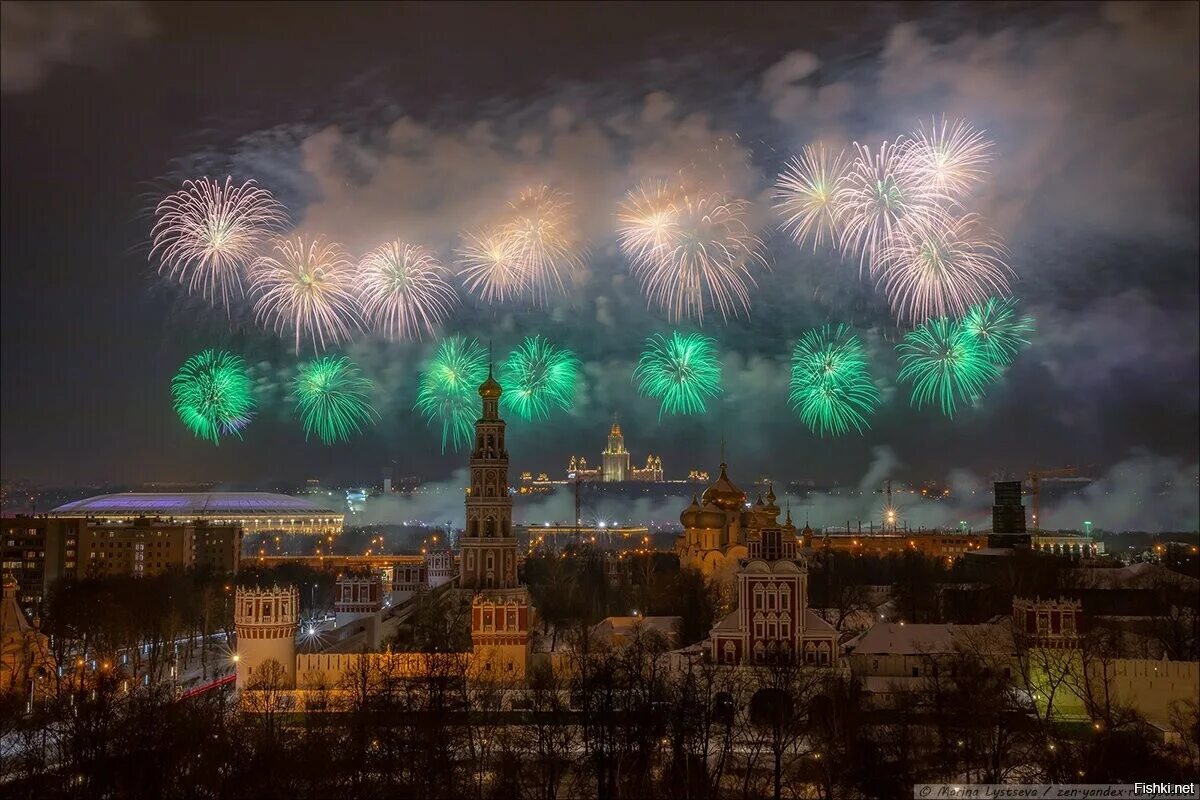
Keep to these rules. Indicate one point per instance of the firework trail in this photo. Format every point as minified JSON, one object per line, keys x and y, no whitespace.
{"x":647,"y":222}
{"x":945,"y":364}
{"x":537,"y":377}
{"x":213,"y":395}
{"x":449,"y":389}
{"x":689,"y":250}
{"x":879,"y":197}
{"x":831,"y":386}
{"x":949,"y":157}
{"x":997,"y":328}
{"x":806,"y":198}
{"x":680,"y":371}
{"x":489,"y":264}
{"x":541,"y":236}
{"x":332,"y":398}
{"x":404,"y":291}
{"x":307,"y":287}
{"x":529,"y":255}
{"x":941,"y":269}
{"x":208,"y":233}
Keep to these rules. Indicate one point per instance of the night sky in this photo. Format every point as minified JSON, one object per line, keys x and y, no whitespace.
{"x":371,"y":122}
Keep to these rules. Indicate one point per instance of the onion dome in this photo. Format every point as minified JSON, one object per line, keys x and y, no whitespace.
{"x":771,"y":495}
{"x":490,"y":389}
{"x":711,"y":516}
{"x":724,"y":495}
{"x":690,"y":517}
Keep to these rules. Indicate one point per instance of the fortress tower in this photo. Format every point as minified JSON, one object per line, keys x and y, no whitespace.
{"x":265,"y":621}
{"x":500,"y":609}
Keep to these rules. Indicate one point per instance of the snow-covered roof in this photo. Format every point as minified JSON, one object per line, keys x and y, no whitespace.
{"x":893,"y":638}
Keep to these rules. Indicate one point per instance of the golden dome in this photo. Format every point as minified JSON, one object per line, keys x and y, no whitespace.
{"x":711,"y":516}
{"x":691,"y":515}
{"x":724,"y":495}
{"x":490,"y":389}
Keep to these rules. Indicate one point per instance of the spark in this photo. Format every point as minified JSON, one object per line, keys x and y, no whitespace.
{"x":945,"y":364}
{"x":538,"y":377}
{"x":489,"y":264}
{"x":831,"y":386}
{"x":213,"y":395}
{"x":333,"y":399}
{"x":449,"y":389}
{"x":680,"y":371}
{"x":806,"y":195}
{"x":879,"y":197}
{"x":207,"y":234}
{"x":691,"y":250}
{"x":404,"y":291}
{"x":949,"y":157}
{"x":541,"y":237}
{"x":941,"y":269}
{"x":307,"y":287}
{"x":998,"y":330}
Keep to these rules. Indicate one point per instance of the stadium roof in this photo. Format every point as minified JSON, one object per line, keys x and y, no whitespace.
{"x":193,"y":504}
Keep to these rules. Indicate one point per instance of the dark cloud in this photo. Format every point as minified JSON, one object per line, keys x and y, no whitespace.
{"x":35,"y":37}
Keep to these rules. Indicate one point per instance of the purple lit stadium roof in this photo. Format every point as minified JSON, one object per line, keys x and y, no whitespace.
{"x":193,"y":504}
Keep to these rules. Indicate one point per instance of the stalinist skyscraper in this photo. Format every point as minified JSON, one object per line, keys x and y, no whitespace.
{"x":500,"y":609}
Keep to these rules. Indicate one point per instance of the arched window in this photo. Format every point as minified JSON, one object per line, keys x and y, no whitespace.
{"x":730,"y":652}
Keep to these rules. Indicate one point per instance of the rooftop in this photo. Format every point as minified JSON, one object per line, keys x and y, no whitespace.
{"x":193,"y":504}
{"x":912,"y":639}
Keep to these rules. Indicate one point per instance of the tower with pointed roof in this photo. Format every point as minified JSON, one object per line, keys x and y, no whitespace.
{"x":500,"y":608}
{"x":615,"y":457}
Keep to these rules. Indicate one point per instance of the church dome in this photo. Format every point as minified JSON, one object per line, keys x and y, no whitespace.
{"x":490,"y":389}
{"x":724,"y":495}
{"x":711,"y":516}
{"x":691,"y":515}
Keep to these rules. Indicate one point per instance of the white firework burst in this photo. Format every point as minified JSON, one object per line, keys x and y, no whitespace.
{"x":306,"y":287}
{"x":208,"y":233}
{"x":404,"y":290}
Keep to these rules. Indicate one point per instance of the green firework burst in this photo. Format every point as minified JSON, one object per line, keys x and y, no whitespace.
{"x":680,"y":371}
{"x":449,"y":391}
{"x":213,"y":395}
{"x":538,"y":377}
{"x":831,"y":382}
{"x":998,"y":330}
{"x":945,"y":363}
{"x":333,"y":399}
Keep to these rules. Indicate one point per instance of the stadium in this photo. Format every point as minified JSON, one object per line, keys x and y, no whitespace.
{"x":256,"y":512}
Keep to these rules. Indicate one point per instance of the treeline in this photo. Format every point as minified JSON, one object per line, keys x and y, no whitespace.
{"x":577,"y":588}
{"x":607,"y":724}
{"x":146,"y":625}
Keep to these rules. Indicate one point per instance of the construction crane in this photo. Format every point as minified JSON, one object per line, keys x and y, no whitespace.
{"x":1034,"y":477}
